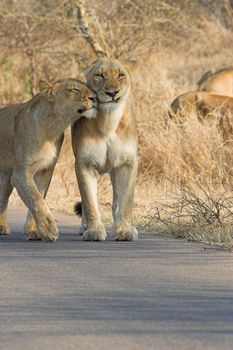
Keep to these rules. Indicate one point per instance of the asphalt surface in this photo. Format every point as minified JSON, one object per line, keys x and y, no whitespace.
{"x":156,"y":293}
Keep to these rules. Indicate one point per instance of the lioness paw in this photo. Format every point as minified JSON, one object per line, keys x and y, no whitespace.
{"x":47,"y":230}
{"x":50,"y":235}
{"x":94,"y":235}
{"x":4,"y":230}
{"x":32,"y":236}
{"x":126,"y":235}
{"x":30,"y":230}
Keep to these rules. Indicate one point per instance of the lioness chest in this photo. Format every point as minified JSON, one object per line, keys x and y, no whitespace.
{"x":107,"y":153}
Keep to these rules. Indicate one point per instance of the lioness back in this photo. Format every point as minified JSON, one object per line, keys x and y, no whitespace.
{"x":7,"y":116}
{"x":220,"y":83}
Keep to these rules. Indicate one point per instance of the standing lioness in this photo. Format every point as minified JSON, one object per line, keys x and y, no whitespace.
{"x":107,"y":144}
{"x":31,"y":136}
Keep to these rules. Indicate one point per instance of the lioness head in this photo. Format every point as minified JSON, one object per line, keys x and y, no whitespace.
{"x":110,"y":80}
{"x":71,"y":97}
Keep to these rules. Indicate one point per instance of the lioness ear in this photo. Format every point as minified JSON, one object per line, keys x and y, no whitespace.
{"x":130,"y":65}
{"x":48,"y":89}
{"x":92,"y":66}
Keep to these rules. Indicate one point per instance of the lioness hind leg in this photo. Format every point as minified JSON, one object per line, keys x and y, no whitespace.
{"x":5,"y":192}
{"x":123,"y":182}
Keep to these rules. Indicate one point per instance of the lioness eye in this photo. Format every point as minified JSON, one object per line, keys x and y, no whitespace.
{"x":121,"y":75}
{"x":73,"y":90}
{"x":99,"y":76}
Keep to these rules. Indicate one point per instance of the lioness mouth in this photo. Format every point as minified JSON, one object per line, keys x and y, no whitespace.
{"x":81,"y":110}
{"x":112,"y":101}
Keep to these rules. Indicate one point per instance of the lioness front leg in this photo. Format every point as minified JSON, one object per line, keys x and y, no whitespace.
{"x":42,"y":180}
{"x":87,"y":181}
{"x":5,"y":192}
{"x":46,"y":227}
{"x":123,"y":182}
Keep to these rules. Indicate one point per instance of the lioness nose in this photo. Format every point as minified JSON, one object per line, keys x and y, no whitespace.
{"x":111,"y":93}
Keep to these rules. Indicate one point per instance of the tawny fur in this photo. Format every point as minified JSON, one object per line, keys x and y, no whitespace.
{"x":31,"y":136}
{"x":107,"y":144}
{"x":220,"y":83}
{"x":205,"y":105}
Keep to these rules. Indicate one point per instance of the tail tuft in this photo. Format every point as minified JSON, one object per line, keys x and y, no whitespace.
{"x":78,"y":208}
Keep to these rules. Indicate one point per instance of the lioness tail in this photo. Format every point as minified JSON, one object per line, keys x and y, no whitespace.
{"x":78,"y":208}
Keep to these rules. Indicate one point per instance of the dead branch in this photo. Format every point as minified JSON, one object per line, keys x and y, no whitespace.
{"x":83,"y":25}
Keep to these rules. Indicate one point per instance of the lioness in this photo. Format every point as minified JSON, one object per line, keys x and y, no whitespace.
{"x":31,"y":136}
{"x":201,"y":103}
{"x":220,"y":83}
{"x":107,"y":144}
{"x":204,"y":104}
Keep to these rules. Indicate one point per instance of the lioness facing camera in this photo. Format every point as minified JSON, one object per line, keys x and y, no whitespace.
{"x":107,"y":144}
{"x":31,"y":136}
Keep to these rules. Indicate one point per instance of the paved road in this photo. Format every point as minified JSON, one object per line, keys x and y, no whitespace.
{"x":157,"y":293}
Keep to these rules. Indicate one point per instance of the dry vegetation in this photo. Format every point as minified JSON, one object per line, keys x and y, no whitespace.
{"x":185,"y":171}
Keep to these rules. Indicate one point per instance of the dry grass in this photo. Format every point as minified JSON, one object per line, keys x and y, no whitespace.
{"x":202,"y":215}
{"x":188,"y":159}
